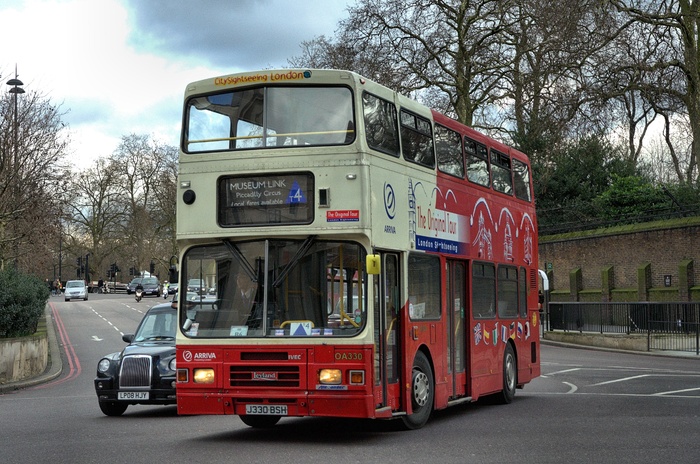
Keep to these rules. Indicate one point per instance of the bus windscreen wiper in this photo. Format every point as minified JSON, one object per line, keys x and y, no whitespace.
{"x":293,"y":262}
{"x":245,"y":265}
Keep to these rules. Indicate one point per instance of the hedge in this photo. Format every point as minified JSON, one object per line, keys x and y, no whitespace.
{"x":22,"y":301}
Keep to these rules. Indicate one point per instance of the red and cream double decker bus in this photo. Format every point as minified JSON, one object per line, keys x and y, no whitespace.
{"x":349,"y":253}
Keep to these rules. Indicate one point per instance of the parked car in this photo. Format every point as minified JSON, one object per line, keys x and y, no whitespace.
{"x":131,"y":288}
{"x":76,"y":289}
{"x":144,"y":372}
{"x":151,"y":286}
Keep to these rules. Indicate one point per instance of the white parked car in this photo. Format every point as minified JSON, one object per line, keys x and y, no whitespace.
{"x":76,"y":289}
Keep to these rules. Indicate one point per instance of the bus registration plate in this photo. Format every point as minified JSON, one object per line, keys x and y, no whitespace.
{"x":266,"y":410}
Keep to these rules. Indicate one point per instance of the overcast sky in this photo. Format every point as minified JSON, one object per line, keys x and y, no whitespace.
{"x":119,"y":67}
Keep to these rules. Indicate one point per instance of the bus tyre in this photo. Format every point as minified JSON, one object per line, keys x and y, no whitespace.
{"x":260,"y":422}
{"x":422,"y":393}
{"x":510,"y":375}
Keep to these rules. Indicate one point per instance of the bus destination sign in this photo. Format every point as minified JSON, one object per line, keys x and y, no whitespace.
{"x":266,"y":199}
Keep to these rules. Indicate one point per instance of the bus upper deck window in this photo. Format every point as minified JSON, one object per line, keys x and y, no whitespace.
{"x":380,"y":124}
{"x":270,"y":117}
{"x":521,"y":180}
{"x":500,"y":170}
{"x":477,"y":163}
{"x":417,"y":139}
{"x":448,"y":145}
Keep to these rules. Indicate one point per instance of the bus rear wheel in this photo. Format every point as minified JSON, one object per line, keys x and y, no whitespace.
{"x":510,"y":375}
{"x":260,"y":422}
{"x":422,"y":393}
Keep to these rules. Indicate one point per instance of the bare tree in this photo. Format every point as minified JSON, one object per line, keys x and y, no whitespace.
{"x":673,"y":27}
{"x":448,"y":51}
{"x":141,"y":163}
{"x":32,"y":149}
{"x":96,"y":213}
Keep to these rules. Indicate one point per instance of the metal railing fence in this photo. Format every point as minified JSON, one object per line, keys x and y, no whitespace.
{"x":669,"y":325}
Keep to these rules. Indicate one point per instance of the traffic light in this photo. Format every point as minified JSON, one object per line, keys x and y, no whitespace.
{"x":79,"y":265}
{"x":153,"y":267}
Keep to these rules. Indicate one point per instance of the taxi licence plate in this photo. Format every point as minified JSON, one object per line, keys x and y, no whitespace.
{"x":124,"y":395}
{"x":266,"y":409}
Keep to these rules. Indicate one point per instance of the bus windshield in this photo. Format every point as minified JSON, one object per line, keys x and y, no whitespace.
{"x":276,"y":288}
{"x":268,"y":117}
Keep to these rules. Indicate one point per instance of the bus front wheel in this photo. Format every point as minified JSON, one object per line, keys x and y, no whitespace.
{"x":422,"y":393}
{"x":260,"y":422}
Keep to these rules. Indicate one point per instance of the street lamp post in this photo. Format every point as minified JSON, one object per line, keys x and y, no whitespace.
{"x":16,"y":89}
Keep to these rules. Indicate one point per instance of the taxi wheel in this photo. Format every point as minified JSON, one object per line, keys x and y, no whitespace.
{"x":113,"y":408}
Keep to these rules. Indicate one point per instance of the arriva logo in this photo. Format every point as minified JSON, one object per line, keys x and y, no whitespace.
{"x":188,"y":356}
{"x":389,"y":200}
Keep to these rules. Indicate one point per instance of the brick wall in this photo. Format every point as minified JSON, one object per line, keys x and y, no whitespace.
{"x":663,"y":246}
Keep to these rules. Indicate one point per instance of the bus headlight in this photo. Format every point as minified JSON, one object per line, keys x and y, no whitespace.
{"x":203,"y":375}
{"x":330,"y":376}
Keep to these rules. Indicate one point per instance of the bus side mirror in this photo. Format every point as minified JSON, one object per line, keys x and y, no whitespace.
{"x":373,"y":264}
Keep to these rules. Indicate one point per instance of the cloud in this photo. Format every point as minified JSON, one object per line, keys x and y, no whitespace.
{"x":118,"y":67}
{"x":241,"y":35}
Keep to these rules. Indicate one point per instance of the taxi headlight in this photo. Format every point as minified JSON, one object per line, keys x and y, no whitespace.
{"x":172,"y":365}
{"x":330,"y":376}
{"x":103,"y":365}
{"x":205,"y":375}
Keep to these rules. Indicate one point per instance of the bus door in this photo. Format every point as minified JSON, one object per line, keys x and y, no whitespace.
{"x":387,"y":304}
{"x":456,"y":295}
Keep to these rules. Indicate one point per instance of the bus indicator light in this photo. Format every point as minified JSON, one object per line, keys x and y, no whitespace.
{"x":356,"y":377}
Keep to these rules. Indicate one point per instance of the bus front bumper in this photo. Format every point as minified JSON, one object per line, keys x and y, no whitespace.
{"x":299,"y":404}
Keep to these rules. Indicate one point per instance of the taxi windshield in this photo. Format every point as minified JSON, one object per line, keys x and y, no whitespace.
{"x":157,"y":325}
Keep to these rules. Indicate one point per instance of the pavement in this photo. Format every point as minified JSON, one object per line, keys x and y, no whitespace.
{"x":668,"y":354}
{"x":55,"y":364}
